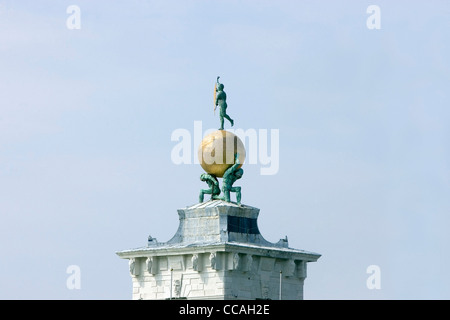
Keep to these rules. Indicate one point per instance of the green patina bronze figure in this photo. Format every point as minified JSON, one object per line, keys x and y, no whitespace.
{"x":230,"y":172}
{"x":230,"y":176}
{"x":220,"y":99}
{"x":213,"y":183}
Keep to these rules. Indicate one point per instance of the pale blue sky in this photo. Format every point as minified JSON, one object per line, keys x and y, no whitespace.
{"x":86,"y":118}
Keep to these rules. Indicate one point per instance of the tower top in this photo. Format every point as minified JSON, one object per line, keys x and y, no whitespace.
{"x":218,"y":223}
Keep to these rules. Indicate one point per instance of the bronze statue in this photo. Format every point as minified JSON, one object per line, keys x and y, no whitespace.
{"x":218,"y":140}
{"x":213,"y":183}
{"x":221,"y":101}
{"x":230,"y":176}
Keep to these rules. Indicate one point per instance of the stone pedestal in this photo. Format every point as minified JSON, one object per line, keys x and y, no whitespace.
{"x":217,"y":253}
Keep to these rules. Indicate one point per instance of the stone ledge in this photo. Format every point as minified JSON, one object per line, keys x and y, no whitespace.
{"x":165,"y":250}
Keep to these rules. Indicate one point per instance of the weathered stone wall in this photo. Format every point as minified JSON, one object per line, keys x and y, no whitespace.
{"x":217,"y":275}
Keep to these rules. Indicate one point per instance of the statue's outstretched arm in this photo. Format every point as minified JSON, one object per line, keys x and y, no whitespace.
{"x":236,"y":158}
{"x":234,"y":167}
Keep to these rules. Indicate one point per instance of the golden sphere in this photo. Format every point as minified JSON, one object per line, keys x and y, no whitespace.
{"x":217,"y":151}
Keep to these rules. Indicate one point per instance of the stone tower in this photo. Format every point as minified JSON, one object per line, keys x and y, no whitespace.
{"x":218,"y":253}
